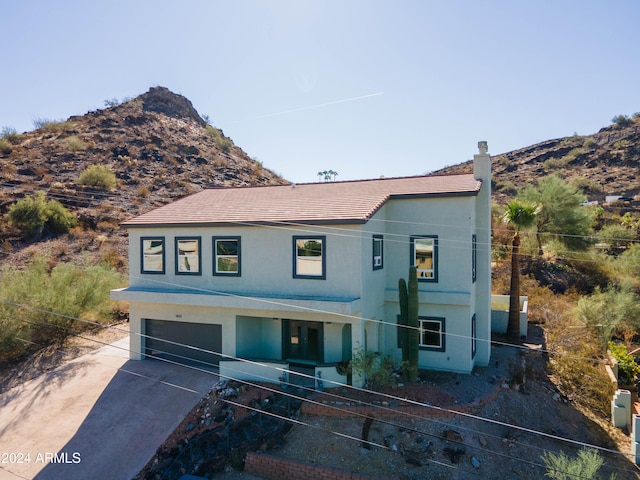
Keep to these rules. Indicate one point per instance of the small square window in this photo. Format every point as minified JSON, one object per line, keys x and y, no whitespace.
{"x":226,"y":259}
{"x":152,"y":255}
{"x":424,"y":255}
{"x":309,"y":257}
{"x":377,"y":252}
{"x":188,"y":261}
{"x":432,"y":334}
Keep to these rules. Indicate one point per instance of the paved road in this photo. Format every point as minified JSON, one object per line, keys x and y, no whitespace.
{"x":99,"y":416}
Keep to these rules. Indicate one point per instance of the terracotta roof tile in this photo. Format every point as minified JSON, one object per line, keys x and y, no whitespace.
{"x":311,"y":203}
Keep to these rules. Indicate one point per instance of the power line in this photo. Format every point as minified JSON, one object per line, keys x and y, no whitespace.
{"x":346,"y":436}
{"x":454,"y":412}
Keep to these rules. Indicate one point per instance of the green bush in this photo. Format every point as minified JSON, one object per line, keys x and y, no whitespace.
{"x":11,"y":135}
{"x":223,"y":143}
{"x":585,"y":466}
{"x":621,"y":120}
{"x":98,"y":176}
{"x":41,"y":305}
{"x":628,"y":369}
{"x":373,"y":367}
{"x":52,"y":126}
{"x":5,"y":146}
{"x":74,"y":143}
{"x":589,"y":142}
{"x":32,"y":215}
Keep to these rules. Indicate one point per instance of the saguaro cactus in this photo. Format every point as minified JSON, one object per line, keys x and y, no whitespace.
{"x":403,"y":321}
{"x":412,"y":323}
{"x":408,"y":322}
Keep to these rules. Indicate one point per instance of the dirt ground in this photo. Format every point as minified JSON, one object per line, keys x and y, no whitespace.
{"x":505,"y":431}
{"x":56,"y":355}
{"x":503,"y":434}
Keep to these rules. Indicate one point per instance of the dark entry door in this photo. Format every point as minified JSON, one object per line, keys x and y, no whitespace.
{"x":304,"y":341}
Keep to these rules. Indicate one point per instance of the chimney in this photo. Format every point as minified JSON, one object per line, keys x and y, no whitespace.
{"x":482,"y":163}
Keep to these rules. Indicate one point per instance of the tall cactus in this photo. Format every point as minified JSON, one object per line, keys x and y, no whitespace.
{"x":408,"y":322}
{"x":403,"y":320}
{"x":413,"y":325}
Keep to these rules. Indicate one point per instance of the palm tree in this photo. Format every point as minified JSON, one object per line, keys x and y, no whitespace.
{"x":520,"y":216}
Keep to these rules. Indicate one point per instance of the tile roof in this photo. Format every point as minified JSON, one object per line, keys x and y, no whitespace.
{"x":309,"y":203}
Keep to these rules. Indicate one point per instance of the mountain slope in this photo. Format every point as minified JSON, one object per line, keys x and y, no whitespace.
{"x":157,"y":145}
{"x":605,"y":163}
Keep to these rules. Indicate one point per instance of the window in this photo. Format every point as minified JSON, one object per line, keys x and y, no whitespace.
{"x":226,"y":259}
{"x":188,"y":261}
{"x":432,"y":334}
{"x":424,"y":255}
{"x":377,"y":252}
{"x":474,"y":257}
{"x":309,"y":257}
{"x":473,"y":336}
{"x":152,"y":255}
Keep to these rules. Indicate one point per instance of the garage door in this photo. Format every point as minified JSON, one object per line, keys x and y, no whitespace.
{"x":204,"y":336}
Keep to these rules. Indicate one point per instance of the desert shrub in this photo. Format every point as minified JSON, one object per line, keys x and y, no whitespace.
{"x":223,"y":143}
{"x":32,"y":215}
{"x":585,"y":466}
{"x":576,"y":357}
{"x":629,"y":262}
{"x":621,"y":120}
{"x":553,"y":163}
{"x":628,"y":369}
{"x":586,"y":185}
{"x":74,"y":143}
{"x":5,"y":146}
{"x":11,"y":135}
{"x":41,"y":305}
{"x":374,"y":368}
{"x":98,"y":176}
{"x":589,"y":142}
{"x":52,"y":126}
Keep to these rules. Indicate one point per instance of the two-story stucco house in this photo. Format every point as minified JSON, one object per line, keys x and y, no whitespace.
{"x":308,"y":273}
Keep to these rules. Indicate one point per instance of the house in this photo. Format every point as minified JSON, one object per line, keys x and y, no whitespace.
{"x":274,"y":276}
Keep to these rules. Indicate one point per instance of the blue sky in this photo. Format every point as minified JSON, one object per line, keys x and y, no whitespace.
{"x":365,"y":88}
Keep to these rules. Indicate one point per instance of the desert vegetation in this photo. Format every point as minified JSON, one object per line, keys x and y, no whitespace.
{"x":579,"y":268}
{"x":43,"y":303}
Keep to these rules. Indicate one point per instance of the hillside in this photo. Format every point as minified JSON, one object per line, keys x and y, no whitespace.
{"x":604,"y":163}
{"x":157,"y":145}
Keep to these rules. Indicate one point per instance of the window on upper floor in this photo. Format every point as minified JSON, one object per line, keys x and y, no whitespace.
{"x":226,"y":259}
{"x":474,"y":257}
{"x":474,"y":334}
{"x":309,"y":257}
{"x":424,"y":255}
{"x":152,"y":254}
{"x":188,"y":258}
{"x":377,"y":252}
{"x":432,"y":334}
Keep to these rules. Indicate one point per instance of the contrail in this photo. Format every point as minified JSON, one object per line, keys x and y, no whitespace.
{"x":316,"y":106}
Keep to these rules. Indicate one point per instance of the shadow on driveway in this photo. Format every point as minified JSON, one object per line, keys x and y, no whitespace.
{"x":76,"y":426}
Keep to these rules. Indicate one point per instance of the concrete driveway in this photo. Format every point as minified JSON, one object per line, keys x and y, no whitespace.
{"x":98,"y":416}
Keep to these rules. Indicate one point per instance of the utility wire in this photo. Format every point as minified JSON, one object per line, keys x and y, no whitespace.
{"x":454,"y":412}
{"x":349,"y":412}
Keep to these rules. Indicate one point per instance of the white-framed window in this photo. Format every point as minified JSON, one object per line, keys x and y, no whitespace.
{"x":432,"y":334}
{"x":424,"y":255}
{"x":226,"y":256}
{"x":152,"y":255}
{"x":378,"y":252}
{"x":309,"y":257}
{"x":188,"y":259}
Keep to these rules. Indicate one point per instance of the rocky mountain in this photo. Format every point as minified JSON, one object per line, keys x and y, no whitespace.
{"x":604,"y":163}
{"x":157,"y":145}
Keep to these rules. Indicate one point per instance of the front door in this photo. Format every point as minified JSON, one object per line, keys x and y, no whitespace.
{"x":303,"y":341}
